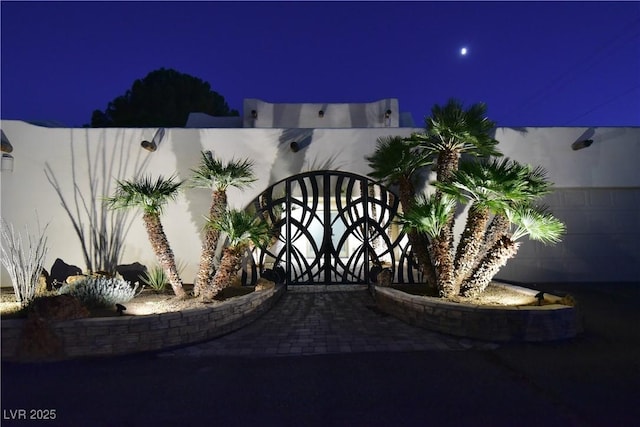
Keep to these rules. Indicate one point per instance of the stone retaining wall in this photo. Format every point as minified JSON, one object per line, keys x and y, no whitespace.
{"x":111,"y":336}
{"x":490,"y":323}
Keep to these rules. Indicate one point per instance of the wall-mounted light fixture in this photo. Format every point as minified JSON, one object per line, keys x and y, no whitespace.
{"x":321,"y":113}
{"x":155,"y":141}
{"x":387,"y":118}
{"x":254,"y":114}
{"x":294,"y":147}
{"x":6,"y":145}
{"x":579,"y":145}
{"x":7,"y":163}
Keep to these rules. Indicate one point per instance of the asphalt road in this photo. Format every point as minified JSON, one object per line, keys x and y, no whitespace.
{"x":593,"y":380}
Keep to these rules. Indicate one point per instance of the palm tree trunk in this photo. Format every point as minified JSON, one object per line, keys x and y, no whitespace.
{"x":471,"y":242}
{"x":446,"y":165}
{"x":207,"y":268}
{"x":419,"y":242}
{"x":498,"y":227}
{"x":161,"y":248}
{"x":229,"y":266}
{"x":503,"y":250}
{"x":443,"y":259}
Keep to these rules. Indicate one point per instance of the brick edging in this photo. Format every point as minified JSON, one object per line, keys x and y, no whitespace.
{"x":489,"y":323}
{"x":113,"y":336}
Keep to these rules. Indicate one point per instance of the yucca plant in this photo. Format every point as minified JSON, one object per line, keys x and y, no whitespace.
{"x":218,"y":176}
{"x":151,"y":196}
{"x":156,"y":279}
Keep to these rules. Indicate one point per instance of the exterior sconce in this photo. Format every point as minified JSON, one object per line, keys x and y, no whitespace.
{"x":6,"y":145}
{"x":321,"y":113}
{"x":7,"y":163}
{"x":387,"y":118}
{"x":294,"y":147}
{"x":155,"y":142}
{"x":149,"y":146}
{"x":579,"y":145}
{"x":254,"y":114}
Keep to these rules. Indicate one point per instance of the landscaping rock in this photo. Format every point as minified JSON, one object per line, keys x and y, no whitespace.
{"x":61,"y":270}
{"x":264,"y":284}
{"x":132,"y":272}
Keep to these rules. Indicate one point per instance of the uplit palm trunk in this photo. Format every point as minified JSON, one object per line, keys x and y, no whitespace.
{"x":503,"y":250}
{"x":207,"y":268}
{"x":447,"y":165}
{"x":471,"y":243}
{"x":163,"y":252}
{"x":419,"y":242}
{"x":441,"y":254}
{"x":229,"y":266}
{"x":498,"y":227}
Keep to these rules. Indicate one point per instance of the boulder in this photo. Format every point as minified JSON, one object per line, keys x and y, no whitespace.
{"x":132,"y":272}
{"x":44,"y":283}
{"x":264,"y":284}
{"x":61,"y":270}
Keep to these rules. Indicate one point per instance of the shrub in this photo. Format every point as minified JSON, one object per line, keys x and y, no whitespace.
{"x":23,"y":257}
{"x":156,"y":278}
{"x":101,"y":291}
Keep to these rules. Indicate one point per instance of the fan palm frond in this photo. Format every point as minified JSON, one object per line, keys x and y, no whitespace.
{"x":213,"y":173}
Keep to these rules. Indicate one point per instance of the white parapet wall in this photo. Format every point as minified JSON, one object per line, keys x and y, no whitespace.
{"x":377,"y":114}
{"x":598,"y":188}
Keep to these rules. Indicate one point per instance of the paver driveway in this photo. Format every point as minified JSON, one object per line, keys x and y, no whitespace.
{"x":310,"y":323}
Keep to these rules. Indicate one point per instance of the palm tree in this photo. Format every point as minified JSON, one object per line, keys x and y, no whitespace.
{"x":151,"y":196}
{"x":430,"y":215}
{"x":534,"y":185}
{"x":535,"y":222}
{"x":451,"y":131}
{"x":396,"y":161}
{"x":488,"y":186}
{"x":217,"y":176}
{"x":242,"y":230}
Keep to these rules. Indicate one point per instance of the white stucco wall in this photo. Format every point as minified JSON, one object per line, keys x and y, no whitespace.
{"x":598,"y":197}
{"x":336,"y":115}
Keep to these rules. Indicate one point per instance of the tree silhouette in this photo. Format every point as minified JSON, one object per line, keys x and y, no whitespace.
{"x":164,"y":98}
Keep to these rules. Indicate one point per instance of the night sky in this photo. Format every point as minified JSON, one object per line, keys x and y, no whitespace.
{"x":534,"y":64}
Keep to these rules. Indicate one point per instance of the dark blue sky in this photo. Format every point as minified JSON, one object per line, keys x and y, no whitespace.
{"x":533,"y":63}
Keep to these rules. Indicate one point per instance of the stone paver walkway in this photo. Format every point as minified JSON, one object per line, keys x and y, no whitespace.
{"x":312,"y":323}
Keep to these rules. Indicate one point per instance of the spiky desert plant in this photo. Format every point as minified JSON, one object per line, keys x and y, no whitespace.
{"x":217,"y":176}
{"x":242,"y":230}
{"x":156,"y":279}
{"x":151,"y":196}
{"x":23,"y":257}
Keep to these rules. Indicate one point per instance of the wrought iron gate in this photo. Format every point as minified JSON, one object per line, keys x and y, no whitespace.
{"x":330,"y":227}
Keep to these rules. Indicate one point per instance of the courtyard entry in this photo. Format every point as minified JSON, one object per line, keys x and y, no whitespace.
{"x":330,"y":227}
